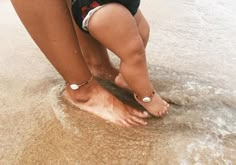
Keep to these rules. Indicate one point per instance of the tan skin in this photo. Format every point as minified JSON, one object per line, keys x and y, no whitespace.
{"x":131,"y":51}
{"x":57,"y":40}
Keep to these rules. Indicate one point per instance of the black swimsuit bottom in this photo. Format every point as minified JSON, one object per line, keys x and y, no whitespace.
{"x":80,"y":8}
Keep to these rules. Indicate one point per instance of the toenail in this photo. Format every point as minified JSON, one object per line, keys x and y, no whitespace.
{"x":145,"y":113}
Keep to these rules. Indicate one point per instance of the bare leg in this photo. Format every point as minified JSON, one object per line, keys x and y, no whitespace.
{"x":127,"y":43}
{"x":143,"y":27}
{"x":144,"y":30}
{"x":97,"y":57}
{"x":95,"y":54}
{"x":49,"y":23}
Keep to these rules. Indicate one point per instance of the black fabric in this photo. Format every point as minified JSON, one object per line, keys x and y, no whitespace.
{"x":80,"y":8}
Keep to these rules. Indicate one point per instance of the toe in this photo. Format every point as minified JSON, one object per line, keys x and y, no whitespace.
{"x":133,"y":123}
{"x":165,"y":108}
{"x":125,"y":123}
{"x":166,"y":104}
{"x":147,"y":114}
{"x":139,"y":120}
{"x":140,"y":114}
{"x":165,"y":111}
{"x":160,"y":113}
{"x":119,"y":123}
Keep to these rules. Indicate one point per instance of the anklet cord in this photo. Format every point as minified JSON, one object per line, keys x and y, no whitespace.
{"x":77,"y":86}
{"x":146,"y":99}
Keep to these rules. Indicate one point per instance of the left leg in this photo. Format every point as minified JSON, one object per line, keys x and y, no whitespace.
{"x":144,"y":30}
{"x":95,"y":54}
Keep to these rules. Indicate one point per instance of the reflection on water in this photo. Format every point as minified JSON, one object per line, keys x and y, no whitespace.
{"x":38,"y":127}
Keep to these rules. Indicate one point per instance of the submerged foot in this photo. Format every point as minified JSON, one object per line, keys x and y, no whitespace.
{"x":110,"y":73}
{"x":157,"y":107}
{"x":101,"y":103}
{"x":120,"y":82}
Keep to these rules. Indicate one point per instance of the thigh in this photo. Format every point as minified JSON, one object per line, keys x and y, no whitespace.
{"x":115,"y":27}
{"x":88,"y":44}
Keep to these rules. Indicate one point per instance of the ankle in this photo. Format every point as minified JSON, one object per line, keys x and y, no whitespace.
{"x":84,"y":93}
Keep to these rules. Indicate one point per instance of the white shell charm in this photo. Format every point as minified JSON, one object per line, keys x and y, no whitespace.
{"x":146,"y":99}
{"x":74,"y":86}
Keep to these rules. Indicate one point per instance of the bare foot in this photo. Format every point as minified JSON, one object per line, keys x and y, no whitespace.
{"x":120,"y":81}
{"x":110,"y":73}
{"x":157,"y":107}
{"x":96,"y":100}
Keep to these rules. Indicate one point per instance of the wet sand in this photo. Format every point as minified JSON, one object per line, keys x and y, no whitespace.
{"x":192,"y":62}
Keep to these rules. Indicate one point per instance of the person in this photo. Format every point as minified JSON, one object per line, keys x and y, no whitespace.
{"x":50,"y":25}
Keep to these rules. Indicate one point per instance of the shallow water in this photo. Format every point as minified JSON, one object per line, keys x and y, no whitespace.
{"x":192,"y":62}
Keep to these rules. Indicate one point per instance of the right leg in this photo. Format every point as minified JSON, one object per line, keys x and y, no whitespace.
{"x":143,"y":27}
{"x":144,"y":30}
{"x":49,"y":23}
{"x":115,"y":28}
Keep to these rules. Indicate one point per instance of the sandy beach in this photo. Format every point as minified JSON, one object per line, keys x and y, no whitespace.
{"x":192,"y":63}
